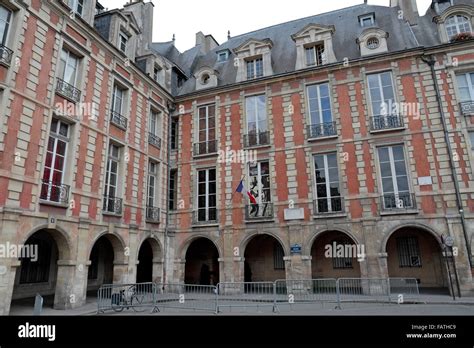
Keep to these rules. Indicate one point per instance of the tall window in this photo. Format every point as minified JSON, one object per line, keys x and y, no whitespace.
{"x":278,"y":257}
{"x":77,"y":6}
{"x":256,"y":113}
{"x":315,"y":55}
{"x":118,"y":107}
{"x":5,"y":19}
{"x":68,"y":67}
{"x":52,"y":188}
{"x":157,"y":71}
{"x":174,"y":133}
{"x":471,"y":136}
{"x":111,"y":180}
{"x":123,"y":40}
{"x":207,"y":195}
{"x":207,"y":129}
{"x":328,"y":192}
{"x":319,"y":105}
{"x":254,"y":68}
{"x":457,"y":24}
{"x":152,"y":184}
{"x":155,"y":129}
{"x":466,"y":87}
{"x":172,"y":194}
{"x":394,"y":177}
{"x":382,"y":94}
{"x":408,"y":252}
{"x":259,"y":190}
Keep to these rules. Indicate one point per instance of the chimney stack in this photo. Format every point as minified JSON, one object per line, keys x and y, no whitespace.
{"x":409,"y":10}
{"x":206,"y":42}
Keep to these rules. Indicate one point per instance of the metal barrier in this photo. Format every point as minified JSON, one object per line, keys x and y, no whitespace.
{"x":246,"y":295}
{"x":118,"y":297}
{"x":363,"y":290}
{"x":187,"y":296}
{"x":402,"y":289}
{"x":292,"y":292}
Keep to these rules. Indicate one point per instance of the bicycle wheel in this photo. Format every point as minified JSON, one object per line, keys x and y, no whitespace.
{"x":137,"y":300}
{"x":117,"y":303}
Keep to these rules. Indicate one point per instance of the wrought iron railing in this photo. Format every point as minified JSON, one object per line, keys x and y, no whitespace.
{"x":68,"y":91}
{"x":257,"y":139}
{"x":6,"y":55}
{"x":386,"y":122}
{"x":333,"y":205}
{"x":154,"y":140}
{"x":53,"y":192}
{"x":153,"y":214}
{"x":261,"y":211}
{"x":118,"y":120}
{"x":467,"y":108}
{"x":205,"y":216}
{"x":398,"y":201}
{"x":205,"y":148}
{"x":322,"y":130}
{"x":112,"y":205}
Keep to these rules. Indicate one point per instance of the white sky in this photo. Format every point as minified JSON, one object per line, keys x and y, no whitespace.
{"x":185,"y":18}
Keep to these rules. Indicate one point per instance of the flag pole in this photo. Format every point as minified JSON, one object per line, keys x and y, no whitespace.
{"x":233,"y":193}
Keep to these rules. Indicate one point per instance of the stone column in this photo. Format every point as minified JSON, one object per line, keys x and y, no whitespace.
{"x":7,"y":283}
{"x":69,"y":284}
{"x":157,"y":272}
{"x":179,"y":270}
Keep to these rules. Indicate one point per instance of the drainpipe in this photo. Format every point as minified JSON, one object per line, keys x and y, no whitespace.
{"x":431,"y":62}
{"x":171,"y":109}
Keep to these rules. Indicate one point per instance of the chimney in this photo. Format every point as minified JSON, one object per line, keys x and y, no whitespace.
{"x":409,"y":9}
{"x":206,"y":42}
{"x":143,"y":13}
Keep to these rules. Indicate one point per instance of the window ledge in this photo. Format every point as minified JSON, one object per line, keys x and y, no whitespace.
{"x":330,"y":216}
{"x":118,"y":126}
{"x":106,"y":213}
{"x":205,"y":155}
{"x":63,"y":95}
{"x":399,"y":212}
{"x":258,"y":146}
{"x":204,"y":225}
{"x":54,"y":204}
{"x":387,"y":130}
{"x":323,"y":138}
{"x":258,"y":221}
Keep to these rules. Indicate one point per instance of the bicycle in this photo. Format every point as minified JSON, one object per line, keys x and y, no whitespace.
{"x":128,"y":298}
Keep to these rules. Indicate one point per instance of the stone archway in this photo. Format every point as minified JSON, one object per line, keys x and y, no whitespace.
{"x":202,"y":263}
{"x":150,"y":262}
{"x":264,"y":259}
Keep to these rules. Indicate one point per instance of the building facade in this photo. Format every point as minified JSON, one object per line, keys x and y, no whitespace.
{"x":259,"y":159}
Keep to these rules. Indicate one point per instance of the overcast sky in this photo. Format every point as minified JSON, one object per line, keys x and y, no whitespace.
{"x":185,"y":18}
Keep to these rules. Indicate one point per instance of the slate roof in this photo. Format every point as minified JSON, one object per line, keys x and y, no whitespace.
{"x":347,"y":30}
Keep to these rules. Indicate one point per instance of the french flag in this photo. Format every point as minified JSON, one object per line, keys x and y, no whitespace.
{"x":240,"y":189}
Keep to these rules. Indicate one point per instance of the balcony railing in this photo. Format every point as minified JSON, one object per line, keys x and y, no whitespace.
{"x":467,"y":108}
{"x":153,"y":214}
{"x":154,"y":140}
{"x":118,"y":120}
{"x":6,"y":55}
{"x":325,"y":206}
{"x":322,"y":130}
{"x":205,"y":216}
{"x":386,"y":122}
{"x":262,"y":211}
{"x":205,"y":148}
{"x":56,"y":193}
{"x":257,"y":139}
{"x":112,"y":205}
{"x":68,"y":91}
{"x":398,"y":201}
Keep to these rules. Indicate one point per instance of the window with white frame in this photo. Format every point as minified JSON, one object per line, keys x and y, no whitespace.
{"x":52,"y":188}
{"x":173,"y":190}
{"x":123,"y":40}
{"x":466,"y":87}
{"x":382,"y":95}
{"x":257,"y":124}
{"x":222,"y":56}
{"x":152,"y":201}
{"x":328,"y":192}
{"x":320,"y":114}
{"x":77,"y":6}
{"x":367,"y":20}
{"x":471,"y":136}
{"x":254,"y":68}
{"x":207,"y":129}
{"x":111,"y":190}
{"x":207,"y":195}
{"x":315,"y":55}
{"x":5,"y":22}
{"x":118,"y":98}
{"x":408,"y":252}
{"x":457,"y":24}
{"x":259,"y":191}
{"x":394,"y":178}
{"x":68,"y":67}
{"x":157,"y":71}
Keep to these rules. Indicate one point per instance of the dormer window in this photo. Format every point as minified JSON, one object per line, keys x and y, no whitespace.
{"x":457,"y":24}
{"x":373,"y":43}
{"x":315,"y":55}
{"x":222,"y":56}
{"x":157,"y":73}
{"x":367,"y":20}
{"x":77,"y":6}
{"x":254,"y":68}
{"x":123,"y":40}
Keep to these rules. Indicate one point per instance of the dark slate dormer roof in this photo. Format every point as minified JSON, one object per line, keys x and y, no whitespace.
{"x":347,"y":30}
